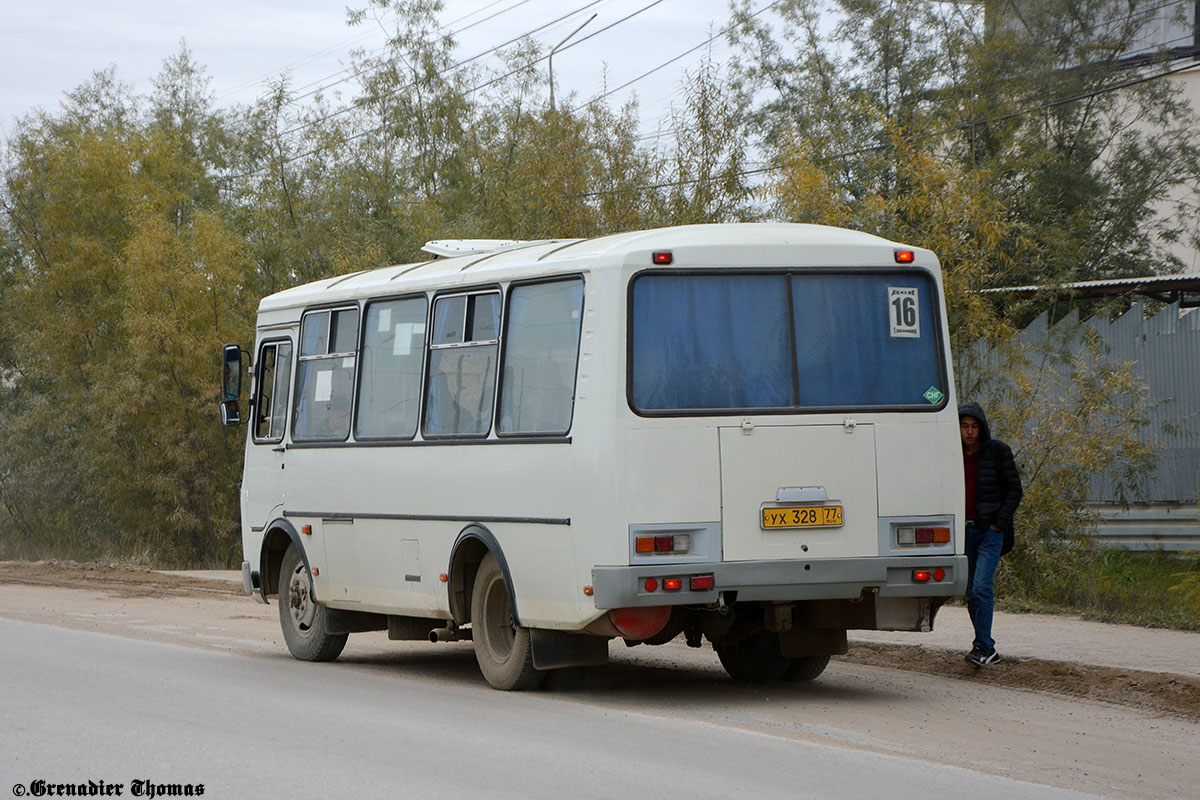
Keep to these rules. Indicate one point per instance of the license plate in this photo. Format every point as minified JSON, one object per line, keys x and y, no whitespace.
{"x":801,"y":517}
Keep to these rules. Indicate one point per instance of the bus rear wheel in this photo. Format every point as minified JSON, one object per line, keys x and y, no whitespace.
{"x":300,"y":616}
{"x":805,"y":668}
{"x":502,"y":647}
{"x":754,"y":659}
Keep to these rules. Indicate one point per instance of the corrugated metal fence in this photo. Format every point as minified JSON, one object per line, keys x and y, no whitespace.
{"x":1165,"y":351}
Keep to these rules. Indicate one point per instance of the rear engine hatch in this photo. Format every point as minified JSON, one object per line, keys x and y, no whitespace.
{"x":798,"y":492}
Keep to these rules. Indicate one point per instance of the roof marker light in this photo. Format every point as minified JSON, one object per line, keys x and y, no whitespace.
{"x":905,"y":256}
{"x":663,"y":257}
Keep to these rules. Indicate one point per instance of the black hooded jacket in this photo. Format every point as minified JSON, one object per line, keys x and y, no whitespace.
{"x":998,"y":485}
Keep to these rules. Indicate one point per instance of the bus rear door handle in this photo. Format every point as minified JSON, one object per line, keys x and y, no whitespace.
{"x":280,"y":449}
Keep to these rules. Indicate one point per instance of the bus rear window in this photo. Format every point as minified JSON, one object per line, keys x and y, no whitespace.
{"x":784,"y":342}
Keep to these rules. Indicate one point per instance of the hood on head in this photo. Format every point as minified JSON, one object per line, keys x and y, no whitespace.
{"x":975,"y":410}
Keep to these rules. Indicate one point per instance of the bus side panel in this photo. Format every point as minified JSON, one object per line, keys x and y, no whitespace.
{"x":425,"y":496}
{"x":674,"y":475}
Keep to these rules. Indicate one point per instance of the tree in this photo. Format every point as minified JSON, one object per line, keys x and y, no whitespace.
{"x":124,"y":280}
{"x":1030,"y":102}
{"x":707,"y":182}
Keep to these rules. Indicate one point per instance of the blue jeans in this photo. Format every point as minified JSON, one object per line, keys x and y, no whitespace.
{"x":983,"y":554}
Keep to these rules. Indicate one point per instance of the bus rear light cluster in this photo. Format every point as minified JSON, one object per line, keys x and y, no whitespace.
{"x":925,"y":575}
{"x":695,"y":583}
{"x":922,"y":535}
{"x":675,"y":543}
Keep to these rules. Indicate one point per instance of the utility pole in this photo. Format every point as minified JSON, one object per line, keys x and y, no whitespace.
{"x":551,"y":57}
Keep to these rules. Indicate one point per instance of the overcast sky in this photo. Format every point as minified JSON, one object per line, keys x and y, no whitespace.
{"x":48,"y":48}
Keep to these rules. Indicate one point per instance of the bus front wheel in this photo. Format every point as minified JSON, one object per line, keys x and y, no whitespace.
{"x":301,"y":617}
{"x":502,"y":647}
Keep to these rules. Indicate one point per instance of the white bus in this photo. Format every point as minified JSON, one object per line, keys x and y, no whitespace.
{"x":739,"y":433}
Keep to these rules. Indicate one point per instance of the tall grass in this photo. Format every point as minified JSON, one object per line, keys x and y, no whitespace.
{"x":1076,"y":577}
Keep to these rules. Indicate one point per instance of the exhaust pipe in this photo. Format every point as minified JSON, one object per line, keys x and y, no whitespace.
{"x":448,"y":635}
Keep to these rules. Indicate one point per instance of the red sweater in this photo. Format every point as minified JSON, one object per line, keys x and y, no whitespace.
{"x":971,"y":473}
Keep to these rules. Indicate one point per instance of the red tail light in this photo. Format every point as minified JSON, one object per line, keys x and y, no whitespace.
{"x":699,"y":583}
{"x":905,"y":256}
{"x":921,"y":575}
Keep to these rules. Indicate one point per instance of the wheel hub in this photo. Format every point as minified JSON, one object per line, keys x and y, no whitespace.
{"x":300,"y":601}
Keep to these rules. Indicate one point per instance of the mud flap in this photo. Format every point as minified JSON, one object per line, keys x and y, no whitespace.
{"x":556,"y":649}
{"x":339,"y":621}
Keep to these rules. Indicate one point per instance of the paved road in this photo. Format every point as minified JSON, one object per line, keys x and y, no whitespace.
{"x":81,"y":706}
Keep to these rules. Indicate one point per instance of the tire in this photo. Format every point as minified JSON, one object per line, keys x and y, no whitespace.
{"x":502,"y":647}
{"x":301,"y":617}
{"x":754,"y":659}
{"x":805,"y":668}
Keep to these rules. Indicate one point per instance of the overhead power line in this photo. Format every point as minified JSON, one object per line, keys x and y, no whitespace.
{"x":352,"y":74}
{"x":375,"y":129}
{"x":723,"y":32}
{"x":938,"y":134}
{"x":462,"y":63}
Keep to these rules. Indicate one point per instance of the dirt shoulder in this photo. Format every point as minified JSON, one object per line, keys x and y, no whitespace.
{"x":1163,"y":693}
{"x":242,"y":621}
{"x":118,"y":580}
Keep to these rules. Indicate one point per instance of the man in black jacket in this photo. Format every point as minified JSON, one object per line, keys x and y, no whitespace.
{"x":993,"y":493}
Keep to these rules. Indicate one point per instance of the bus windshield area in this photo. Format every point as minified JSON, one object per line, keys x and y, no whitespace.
{"x":721,"y":342}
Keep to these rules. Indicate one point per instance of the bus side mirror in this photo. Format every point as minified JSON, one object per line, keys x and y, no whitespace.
{"x":231,"y":384}
{"x":230,"y":414}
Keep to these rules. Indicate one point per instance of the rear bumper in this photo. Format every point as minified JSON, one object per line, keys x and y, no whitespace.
{"x":782,"y":581}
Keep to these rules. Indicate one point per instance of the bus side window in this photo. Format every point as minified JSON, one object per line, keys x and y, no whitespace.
{"x":389,"y":391}
{"x":462,"y":365}
{"x":325,"y":375}
{"x":273,"y":381}
{"x":541,"y":349}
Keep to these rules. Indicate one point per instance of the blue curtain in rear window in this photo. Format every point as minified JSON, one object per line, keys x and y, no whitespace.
{"x":711,"y":342}
{"x":845,"y":352}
